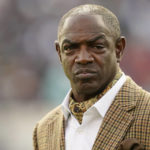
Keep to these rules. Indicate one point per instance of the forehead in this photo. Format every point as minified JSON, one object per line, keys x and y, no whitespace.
{"x":83,"y":26}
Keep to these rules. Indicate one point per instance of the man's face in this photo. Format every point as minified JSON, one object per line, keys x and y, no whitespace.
{"x":88,"y":54}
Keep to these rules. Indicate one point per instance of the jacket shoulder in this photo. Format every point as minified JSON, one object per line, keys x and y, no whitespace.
{"x":51,"y":116}
{"x":132,"y":85}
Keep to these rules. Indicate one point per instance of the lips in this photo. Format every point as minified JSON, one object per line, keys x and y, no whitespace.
{"x":85,"y":73}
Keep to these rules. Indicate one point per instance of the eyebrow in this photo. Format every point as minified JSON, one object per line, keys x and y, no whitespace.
{"x":67,"y":41}
{"x":89,"y":41}
{"x":96,"y":38}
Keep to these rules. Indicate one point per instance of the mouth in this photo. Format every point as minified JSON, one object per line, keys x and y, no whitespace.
{"x":85,"y":73}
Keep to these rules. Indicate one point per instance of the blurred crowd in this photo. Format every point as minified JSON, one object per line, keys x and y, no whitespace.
{"x":31,"y":79}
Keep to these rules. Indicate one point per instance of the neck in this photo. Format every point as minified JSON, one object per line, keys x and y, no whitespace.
{"x":82,"y":97}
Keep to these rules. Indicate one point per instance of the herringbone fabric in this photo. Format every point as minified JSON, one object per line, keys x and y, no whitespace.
{"x":127,"y":117}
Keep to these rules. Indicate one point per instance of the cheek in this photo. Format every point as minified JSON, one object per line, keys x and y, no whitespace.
{"x":106,"y":62}
{"x":111,"y":64}
{"x":110,"y":57}
{"x":67,"y":66}
{"x":100,"y":60}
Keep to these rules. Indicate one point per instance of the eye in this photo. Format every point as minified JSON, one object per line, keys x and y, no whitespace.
{"x":98,"y":46}
{"x":66,"y":47}
{"x":70,"y":48}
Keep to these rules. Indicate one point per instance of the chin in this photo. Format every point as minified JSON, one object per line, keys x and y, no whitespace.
{"x":88,"y":89}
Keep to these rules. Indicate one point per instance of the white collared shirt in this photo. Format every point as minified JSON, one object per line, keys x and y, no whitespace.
{"x":82,"y":136}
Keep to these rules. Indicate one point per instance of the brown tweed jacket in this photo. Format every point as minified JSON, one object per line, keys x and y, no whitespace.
{"x":128,"y":117}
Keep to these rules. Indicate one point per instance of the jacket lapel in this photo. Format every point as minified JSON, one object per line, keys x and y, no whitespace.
{"x":118,"y":118}
{"x":56,"y":135}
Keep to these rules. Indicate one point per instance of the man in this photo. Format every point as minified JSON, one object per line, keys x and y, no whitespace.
{"x":105,"y":109}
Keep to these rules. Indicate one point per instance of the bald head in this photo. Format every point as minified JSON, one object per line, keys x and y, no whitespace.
{"x":108,"y":17}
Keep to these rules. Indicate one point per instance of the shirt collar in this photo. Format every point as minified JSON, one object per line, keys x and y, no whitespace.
{"x":65,"y":105}
{"x":103,"y":104}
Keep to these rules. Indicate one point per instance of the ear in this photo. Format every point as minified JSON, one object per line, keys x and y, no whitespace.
{"x":120,"y":46}
{"x":58,"y":50}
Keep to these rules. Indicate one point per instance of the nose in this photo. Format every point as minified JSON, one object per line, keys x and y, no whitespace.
{"x":84,"y":56}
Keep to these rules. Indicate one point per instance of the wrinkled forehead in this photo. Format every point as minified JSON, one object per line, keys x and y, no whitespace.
{"x":81,"y":24}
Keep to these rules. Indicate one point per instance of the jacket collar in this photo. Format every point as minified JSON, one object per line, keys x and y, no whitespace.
{"x":118,"y":118}
{"x":56,"y":131}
